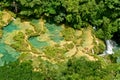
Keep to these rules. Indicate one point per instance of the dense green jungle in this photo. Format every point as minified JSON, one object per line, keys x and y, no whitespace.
{"x":59,"y":39}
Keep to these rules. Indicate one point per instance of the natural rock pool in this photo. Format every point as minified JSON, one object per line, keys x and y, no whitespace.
{"x":52,"y":32}
{"x":8,"y":54}
{"x":10,"y":27}
{"x":37,"y":43}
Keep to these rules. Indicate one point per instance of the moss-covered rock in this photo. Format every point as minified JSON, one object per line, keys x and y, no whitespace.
{"x":5,"y":18}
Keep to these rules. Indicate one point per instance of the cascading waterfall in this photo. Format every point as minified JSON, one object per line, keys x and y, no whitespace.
{"x":109,"y":47}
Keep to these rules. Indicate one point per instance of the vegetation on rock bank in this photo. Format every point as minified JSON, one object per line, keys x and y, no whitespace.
{"x":48,"y":64}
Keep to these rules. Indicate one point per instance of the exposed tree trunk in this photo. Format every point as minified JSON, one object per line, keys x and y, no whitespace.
{"x":14,"y":4}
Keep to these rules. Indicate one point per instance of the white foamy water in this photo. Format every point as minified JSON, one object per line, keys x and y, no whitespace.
{"x":109,"y":47}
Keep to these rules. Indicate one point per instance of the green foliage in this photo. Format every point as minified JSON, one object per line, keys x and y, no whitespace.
{"x":19,"y":37}
{"x":16,"y":70}
{"x":99,"y":49}
{"x":93,"y":70}
{"x":68,"y":34}
{"x":54,"y":51}
{"x":100,"y":34}
{"x":69,"y":46}
{"x":73,"y":69}
{"x":59,"y":18}
{"x":29,"y":32}
{"x":103,"y":14}
{"x":19,"y":42}
{"x":115,"y":57}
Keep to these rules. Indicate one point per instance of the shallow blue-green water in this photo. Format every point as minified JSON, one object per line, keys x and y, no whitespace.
{"x":54,"y":32}
{"x":38,"y":44}
{"x":9,"y":54}
{"x":10,"y":27}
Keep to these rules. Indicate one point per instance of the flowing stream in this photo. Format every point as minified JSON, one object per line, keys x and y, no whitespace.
{"x":110,"y":45}
{"x":111,"y":48}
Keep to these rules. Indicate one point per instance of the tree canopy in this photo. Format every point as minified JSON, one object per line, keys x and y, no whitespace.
{"x":103,"y":14}
{"x":73,"y":69}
